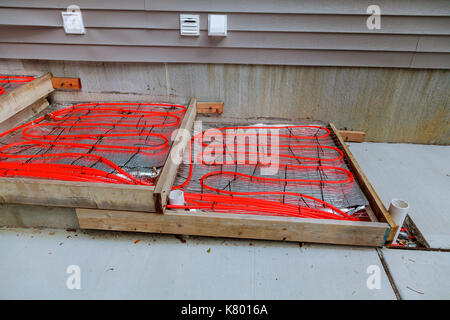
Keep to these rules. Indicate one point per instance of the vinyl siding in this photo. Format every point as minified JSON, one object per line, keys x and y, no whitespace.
{"x":413,"y":34}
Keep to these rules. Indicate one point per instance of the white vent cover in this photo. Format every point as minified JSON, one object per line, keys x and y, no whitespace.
{"x":189,"y":24}
{"x":217,"y":25}
{"x":73,"y":20}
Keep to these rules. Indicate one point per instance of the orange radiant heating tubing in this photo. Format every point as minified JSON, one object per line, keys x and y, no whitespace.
{"x":129,"y":122}
{"x":249,"y":202}
{"x":13,"y":79}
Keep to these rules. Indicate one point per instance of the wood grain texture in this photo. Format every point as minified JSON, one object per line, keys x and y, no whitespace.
{"x":76,"y":194}
{"x":27,"y":94}
{"x":170,"y":169}
{"x":374,"y":200}
{"x":236,"y":226}
{"x":66,"y":83}
{"x":352,"y":136}
{"x":23,"y":115}
{"x":210,"y":107}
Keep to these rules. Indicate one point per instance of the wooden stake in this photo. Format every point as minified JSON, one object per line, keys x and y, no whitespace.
{"x":210,"y":107}
{"x":66,"y":83}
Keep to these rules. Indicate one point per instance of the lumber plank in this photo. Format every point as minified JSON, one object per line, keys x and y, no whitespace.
{"x":374,"y":200}
{"x":371,"y":215}
{"x":24,"y":115}
{"x":210,"y":107}
{"x":352,"y":136}
{"x":169,"y":171}
{"x":237,"y":226}
{"x":15,"y":101}
{"x":76,"y":194}
{"x":66,"y":83}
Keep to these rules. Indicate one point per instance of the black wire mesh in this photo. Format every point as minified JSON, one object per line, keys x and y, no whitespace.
{"x":242,"y":178}
{"x":104,"y":142}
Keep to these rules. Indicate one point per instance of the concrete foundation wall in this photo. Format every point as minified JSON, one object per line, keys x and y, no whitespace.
{"x":390,"y":104}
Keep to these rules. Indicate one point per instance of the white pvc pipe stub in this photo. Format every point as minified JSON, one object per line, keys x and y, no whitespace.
{"x":398,"y":210}
{"x":176,"y":197}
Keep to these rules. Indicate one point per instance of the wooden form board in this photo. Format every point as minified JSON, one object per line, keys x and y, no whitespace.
{"x":18,"y":107}
{"x":15,"y":101}
{"x":237,"y":226}
{"x":352,"y":136}
{"x":23,"y":115}
{"x":210,"y":107}
{"x":76,"y":194}
{"x":170,"y":169}
{"x":375,"y":202}
{"x":66,"y":83}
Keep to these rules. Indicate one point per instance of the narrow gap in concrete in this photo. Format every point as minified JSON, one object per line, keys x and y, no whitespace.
{"x":389,"y":275}
{"x":414,"y":230}
{"x":419,"y":249}
{"x":411,"y":238}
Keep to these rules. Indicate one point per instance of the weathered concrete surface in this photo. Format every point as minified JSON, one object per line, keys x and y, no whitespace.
{"x":419,"y":274}
{"x":34,"y":261}
{"x":391,"y":105}
{"x":418,"y":174}
{"x":24,"y":216}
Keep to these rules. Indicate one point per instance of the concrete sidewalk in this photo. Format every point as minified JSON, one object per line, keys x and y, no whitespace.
{"x":419,"y":174}
{"x":34,"y":262}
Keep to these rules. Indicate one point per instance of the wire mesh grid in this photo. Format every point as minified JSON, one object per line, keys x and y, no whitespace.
{"x":10,"y":82}
{"x":108,"y":142}
{"x":312,"y":167}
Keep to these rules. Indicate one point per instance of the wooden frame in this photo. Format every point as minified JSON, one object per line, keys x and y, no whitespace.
{"x":237,"y":226}
{"x":374,"y":200}
{"x":143,"y":208}
{"x":18,"y":106}
{"x":170,"y":169}
{"x":374,"y":233}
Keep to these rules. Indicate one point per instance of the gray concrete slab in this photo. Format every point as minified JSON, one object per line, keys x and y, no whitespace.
{"x":419,"y":174}
{"x":420,"y":274}
{"x":34,"y":261}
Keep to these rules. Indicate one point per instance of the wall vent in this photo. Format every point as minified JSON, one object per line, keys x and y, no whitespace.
{"x":189,"y":24}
